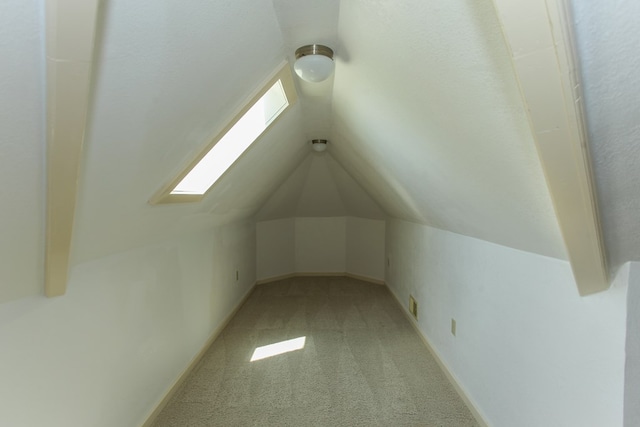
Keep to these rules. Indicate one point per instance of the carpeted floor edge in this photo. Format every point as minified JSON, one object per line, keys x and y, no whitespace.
{"x":150,"y":419}
{"x":475,"y":411}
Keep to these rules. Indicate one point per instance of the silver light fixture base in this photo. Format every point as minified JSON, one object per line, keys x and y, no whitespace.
{"x":314,"y":49}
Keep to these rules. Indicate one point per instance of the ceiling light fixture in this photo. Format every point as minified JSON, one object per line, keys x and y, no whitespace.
{"x":319,"y":145}
{"x":314,"y":62}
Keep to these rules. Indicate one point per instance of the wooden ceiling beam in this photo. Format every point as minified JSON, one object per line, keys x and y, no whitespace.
{"x":539,"y":35}
{"x":70,"y":35}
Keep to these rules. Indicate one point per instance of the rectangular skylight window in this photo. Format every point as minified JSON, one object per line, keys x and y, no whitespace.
{"x":267,"y":104}
{"x":246,"y":130}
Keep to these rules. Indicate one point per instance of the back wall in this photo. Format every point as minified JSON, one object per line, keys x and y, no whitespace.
{"x":320,"y":245}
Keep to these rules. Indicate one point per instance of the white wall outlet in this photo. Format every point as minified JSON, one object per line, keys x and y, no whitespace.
{"x":237,"y":275}
{"x":453,"y":327}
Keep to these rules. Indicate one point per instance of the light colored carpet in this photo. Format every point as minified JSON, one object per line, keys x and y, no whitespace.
{"x":362,"y":364}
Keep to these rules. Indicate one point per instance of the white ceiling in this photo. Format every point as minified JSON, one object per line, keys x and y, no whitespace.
{"x":21,"y":150}
{"x":423,"y":111}
{"x":168,"y":79}
{"x":608,"y":42}
{"x":423,"y":114}
{"x":319,"y":187}
{"x":428,"y":116}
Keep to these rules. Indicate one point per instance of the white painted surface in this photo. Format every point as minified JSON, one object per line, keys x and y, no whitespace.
{"x":632,"y":368}
{"x":283,"y":202}
{"x":320,"y":245}
{"x":319,"y":187}
{"x":167,"y":82}
{"x":21,"y":148}
{"x":357,"y":202}
{"x":607,"y":39}
{"x":320,"y":196}
{"x":275,"y":248}
{"x":437,"y":132}
{"x":304,"y":22}
{"x":365,"y":247}
{"x":528,"y":350}
{"x":106,"y":352}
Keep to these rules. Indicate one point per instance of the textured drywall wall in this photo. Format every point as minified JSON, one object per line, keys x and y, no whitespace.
{"x":106,"y":352}
{"x":275,"y":248}
{"x":320,"y":196}
{"x":319,"y":187}
{"x":167,"y":81}
{"x":22,"y":148}
{"x":436,"y":130}
{"x":607,"y":40}
{"x":632,"y":368}
{"x":528,"y":349}
{"x":320,"y":245}
{"x":365,"y":247}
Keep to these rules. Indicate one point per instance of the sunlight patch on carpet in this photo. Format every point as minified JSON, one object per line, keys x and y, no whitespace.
{"x":278,"y":348}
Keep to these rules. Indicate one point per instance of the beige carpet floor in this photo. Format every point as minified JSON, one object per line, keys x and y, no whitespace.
{"x":362,"y":364}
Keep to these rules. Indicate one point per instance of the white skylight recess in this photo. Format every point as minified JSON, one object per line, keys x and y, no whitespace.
{"x":234,"y":142}
{"x":227,"y":147}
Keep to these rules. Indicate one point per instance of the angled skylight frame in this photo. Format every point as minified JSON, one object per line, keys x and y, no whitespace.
{"x":255,"y":118}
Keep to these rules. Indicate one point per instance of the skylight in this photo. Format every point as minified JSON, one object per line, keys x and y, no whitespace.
{"x":234,"y":142}
{"x":224,"y":150}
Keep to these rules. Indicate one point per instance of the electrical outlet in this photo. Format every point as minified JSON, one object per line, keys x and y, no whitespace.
{"x":413,"y":307}
{"x":453,"y":327}
{"x":388,"y":262}
{"x":237,"y":275}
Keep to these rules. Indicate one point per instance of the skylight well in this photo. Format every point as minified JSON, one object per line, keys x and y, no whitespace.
{"x":225,"y":149}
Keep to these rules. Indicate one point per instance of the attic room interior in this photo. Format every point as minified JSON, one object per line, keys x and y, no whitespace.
{"x":478,"y":158}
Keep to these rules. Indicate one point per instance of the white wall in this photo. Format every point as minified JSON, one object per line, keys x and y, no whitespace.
{"x":22,"y":149}
{"x":320,"y":245}
{"x":365,"y":247}
{"x":632,"y":368}
{"x":106,"y":352}
{"x":276,"y":248}
{"x":529,"y":351}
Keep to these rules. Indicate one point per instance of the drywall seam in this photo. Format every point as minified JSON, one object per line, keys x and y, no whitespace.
{"x":334,"y":274}
{"x":475,"y":411}
{"x":194,"y":362}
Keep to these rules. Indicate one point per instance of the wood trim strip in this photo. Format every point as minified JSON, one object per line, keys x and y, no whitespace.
{"x":540,"y":40}
{"x":70,"y":45}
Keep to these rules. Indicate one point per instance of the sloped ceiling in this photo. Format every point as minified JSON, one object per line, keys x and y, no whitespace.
{"x":429,"y":117}
{"x":319,"y":187}
{"x":608,"y":43}
{"x":21,"y":150}
{"x":423,"y":113}
{"x":168,"y":78}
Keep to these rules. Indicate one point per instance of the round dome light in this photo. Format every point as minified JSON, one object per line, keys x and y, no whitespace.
{"x":314,"y":63}
{"x":319,"y":145}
